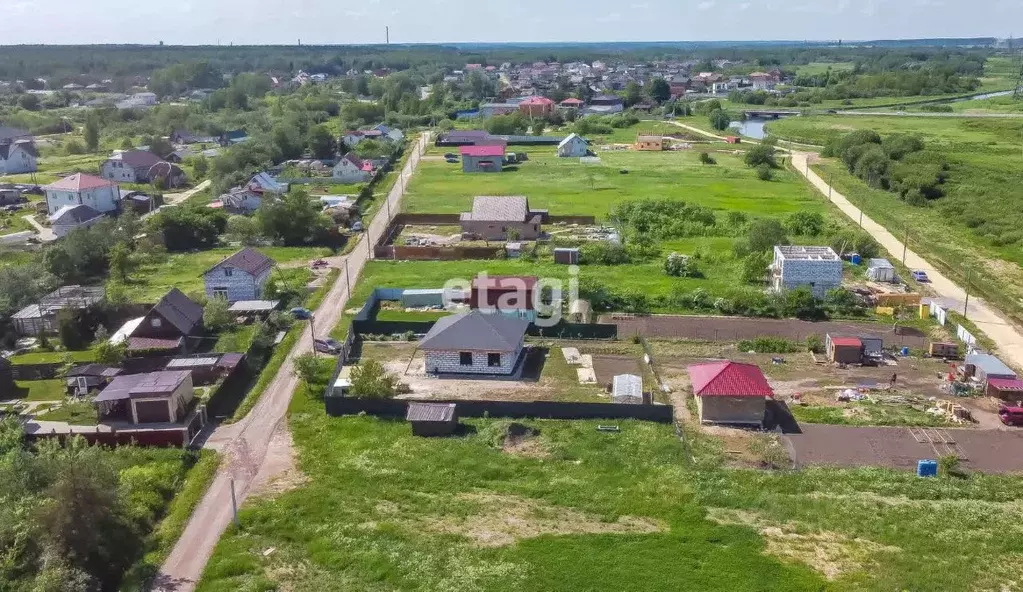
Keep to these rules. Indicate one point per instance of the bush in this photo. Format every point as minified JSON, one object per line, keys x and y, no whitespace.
{"x":765,"y":172}
{"x":603,"y":253}
{"x":814,"y":344}
{"x":760,"y":155}
{"x":706,"y":158}
{"x":754,"y":267}
{"x":680,"y":266}
{"x":768,"y":345}
{"x":805,"y":223}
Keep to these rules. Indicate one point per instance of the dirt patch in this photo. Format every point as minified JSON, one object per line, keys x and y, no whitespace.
{"x":279,"y":473}
{"x":524,"y":441}
{"x":830,"y":553}
{"x":500,"y":520}
{"x":606,"y":367}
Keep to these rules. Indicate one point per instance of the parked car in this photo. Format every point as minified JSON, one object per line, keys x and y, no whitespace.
{"x":920,"y":276}
{"x":1011,"y":416}
{"x":450,"y":155}
{"x":327,"y":346}
{"x":451,"y":160}
{"x":301,"y":313}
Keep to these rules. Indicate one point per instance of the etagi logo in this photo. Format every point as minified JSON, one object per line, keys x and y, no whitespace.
{"x":540,"y":300}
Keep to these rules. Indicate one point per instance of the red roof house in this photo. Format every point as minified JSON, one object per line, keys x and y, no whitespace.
{"x":572,"y":102}
{"x":730,"y":392}
{"x":536,"y":106}
{"x":483,"y":150}
{"x":482,"y":159}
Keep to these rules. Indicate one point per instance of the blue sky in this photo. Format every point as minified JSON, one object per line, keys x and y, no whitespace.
{"x":414,"y":21}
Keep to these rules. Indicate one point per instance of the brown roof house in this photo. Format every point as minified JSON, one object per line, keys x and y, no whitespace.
{"x":139,"y":166}
{"x":172,"y":325}
{"x":495,"y":217}
{"x":242,"y":276}
{"x":156,"y":397}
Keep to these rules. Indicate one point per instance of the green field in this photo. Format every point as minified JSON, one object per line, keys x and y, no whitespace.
{"x":38,"y":390}
{"x":566,"y":187}
{"x":48,"y":357}
{"x":578,"y":509}
{"x":977,"y":225}
{"x":184,"y":270}
{"x":814,"y":68}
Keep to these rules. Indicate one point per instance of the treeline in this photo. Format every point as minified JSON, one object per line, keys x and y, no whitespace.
{"x":897,"y":163}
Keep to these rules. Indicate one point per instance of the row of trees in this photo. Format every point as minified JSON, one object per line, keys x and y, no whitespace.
{"x":897,"y":163}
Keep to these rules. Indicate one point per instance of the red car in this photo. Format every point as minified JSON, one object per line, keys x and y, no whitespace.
{"x":1011,"y":416}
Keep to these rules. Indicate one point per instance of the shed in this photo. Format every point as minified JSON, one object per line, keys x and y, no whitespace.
{"x":204,"y":370}
{"x":343,"y":383}
{"x":157,"y":397}
{"x":1007,"y":389}
{"x":253,"y":307}
{"x":513,"y":250}
{"x":733,"y":139}
{"x":432,"y":419}
{"x":872,"y":345}
{"x":987,"y":366}
{"x":432,"y":297}
{"x":843,"y":350}
{"x":627,"y":389}
{"x":944,"y":350}
{"x":566,"y":255}
{"x":730,"y":392}
{"x":880,"y":270}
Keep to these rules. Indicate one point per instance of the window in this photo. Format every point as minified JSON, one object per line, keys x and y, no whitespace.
{"x":493,"y":360}
{"x":228,"y":271}
{"x":220,"y":293}
{"x":465,"y":358}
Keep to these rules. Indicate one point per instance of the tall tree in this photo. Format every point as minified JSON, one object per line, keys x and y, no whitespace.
{"x":92,"y":132}
{"x":660,"y":90}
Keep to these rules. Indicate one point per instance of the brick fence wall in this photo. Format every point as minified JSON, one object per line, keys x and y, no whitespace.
{"x":338,"y":406}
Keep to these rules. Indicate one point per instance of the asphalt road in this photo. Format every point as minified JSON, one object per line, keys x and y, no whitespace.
{"x":256,"y":448}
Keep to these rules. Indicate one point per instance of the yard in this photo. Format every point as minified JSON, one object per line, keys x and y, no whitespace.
{"x":566,"y":187}
{"x":976,"y":226}
{"x":571,"y":508}
{"x":38,"y":390}
{"x":184,"y":270}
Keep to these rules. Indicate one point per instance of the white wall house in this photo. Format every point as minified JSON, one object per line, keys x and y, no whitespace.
{"x":18,"y":157}
{"x":241,"y":276}
{"x":573,"y":146}
{"x":81,"y":189}
{"x":351,"y":169}
{"x":474,"y":343}
{"x":818,"y":268}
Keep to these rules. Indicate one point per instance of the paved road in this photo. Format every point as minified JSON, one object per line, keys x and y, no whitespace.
{"x":45,"y":234}
{"x":961,"y":114}
{"x":949,"y":294}
{"x":255,"y":448}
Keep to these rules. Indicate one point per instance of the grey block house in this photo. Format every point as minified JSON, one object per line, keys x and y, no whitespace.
{"x":493,"y":217}
{"x":474,"y":343}
{"x":241,"y":276}
{"x":818,"y":268}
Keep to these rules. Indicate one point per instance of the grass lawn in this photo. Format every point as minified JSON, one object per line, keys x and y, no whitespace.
{"x":79,"y":413}
{"x":38,"y":390}
{"x":18,"y":257}
{"x":976,"y":226}
{"x":184,"y":270}
{"x":564,"y":186}
{"x":237,"y":339}
{"x":814,"y":68}
{"x":11,"y":222}
{"x":52,"y":168}
{"x":864,"y":413}
{"x":46,"y":357}
{"x":578,"y":509}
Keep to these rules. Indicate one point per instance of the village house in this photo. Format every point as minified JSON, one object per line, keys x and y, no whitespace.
{"x":81,"y":189}
{"x":18,"y":156}
{"x":239,"y":200}
{"x":763,"y":80}
{"x":390,"y":134}
{"x":69,"y":218}
{"x":352,"y":169}
{"x":730,"y":392}
{"x":263,"y":183}
{"x":174,"y":325}
{"x":482,"y":159}
{"x":509,"y":295}
{"x":818,"y":268}
{"x":571,"y":103}
{"x":536,"y":106}
{"x":604,"y":105}
{"x":501,"y":218}
{"x":488,"y":110}
{"x":573,"y":146}
{"x":139,"y":166}
{"x":649,"y":143}
{"x":156,"y":397}
{"x":242,"y":276}
{"x":474,"y":343}
{"x":41,"y":317}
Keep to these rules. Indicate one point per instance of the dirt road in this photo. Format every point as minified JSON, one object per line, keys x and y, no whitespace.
{"x":949,"y":294}
{"x":45,"y":234}
{"x":258,"y":447}
{"x":173,"y":199}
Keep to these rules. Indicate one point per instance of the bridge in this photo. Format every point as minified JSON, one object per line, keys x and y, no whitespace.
{"x":768,"y":113}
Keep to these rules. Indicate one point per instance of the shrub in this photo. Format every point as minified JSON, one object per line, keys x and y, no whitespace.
{"x":603,"y":253}
{"x":706,"y":158}
{"x":814,"y":344}
{"x":680,"y":266}
{"x":761,"y":154}
{"x":768,"y":345}
{"x":764,"y":172}
{"x":805,"y":223}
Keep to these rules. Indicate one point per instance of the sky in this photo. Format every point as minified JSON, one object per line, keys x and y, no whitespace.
{"x":193,"y":22}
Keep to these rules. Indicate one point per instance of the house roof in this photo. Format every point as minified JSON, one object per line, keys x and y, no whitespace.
{"x":1006,"y":384}
{"x":657,"y":139}
{"x":26,"y":145}
{"x":504,"y":208}
{"x":503,"y":282}
{"x":432,"y":412}
{"x":137,"y":158}
{"x":352,"y":158}
{"x":728,"y":379}
{"x":627,"y":385}
{"x":572,"y":101}
{"x":536,"y":100}
{"x":12,"y":133}
{"x":137,"y":344}
{"x":477,"y":331}
{"x":989,"y":364}
{"x":482,"y":150}
{"x":847,"y":341}
{"x":135,"y":386}
{"x":570,"y":138}
{"x":94,"y":370}
{"x":79,"y":182}
{"x":180,"y":311}
{"x":248,"y":260}
{"x":267,"y":183}
{"x":76,"y":214}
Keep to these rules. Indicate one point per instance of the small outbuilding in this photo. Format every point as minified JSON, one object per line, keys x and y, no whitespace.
{"x":880,"y":270}
{"x":986,"y":366}
{"x":157,"y":397}
{"x":430,"y":297}
{"x":566,"y":255}
{"x":730,"y":392}
{"x":1006,"y":389}
{"x":573,"y":146}
{"x":627,"y":389}
{"x":843,"y":350}
{"x":651,"y":143}
{"x":432,"y":419}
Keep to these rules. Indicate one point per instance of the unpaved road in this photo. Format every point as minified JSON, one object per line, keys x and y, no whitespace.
{"x":949,"y":294}
{"x":45,"y":234}
{"x":257,"y":448}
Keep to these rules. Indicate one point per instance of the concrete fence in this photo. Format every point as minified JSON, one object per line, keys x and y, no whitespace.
{"x":340,"y":406}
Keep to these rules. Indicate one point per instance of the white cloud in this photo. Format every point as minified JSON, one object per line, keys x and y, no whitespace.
{"x":744,"y":6}
{"x":706,"y":5}
{"x":640,"y":6}
{"x":355,"y":13}
{"x":613,"y":17}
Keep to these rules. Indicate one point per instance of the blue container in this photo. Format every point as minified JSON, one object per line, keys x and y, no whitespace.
{"x":856,"y":259}
{"x":905,"y":352}
{"x":927,"y":468}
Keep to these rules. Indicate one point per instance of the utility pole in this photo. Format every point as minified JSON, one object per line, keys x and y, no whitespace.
{"x":312,"y":321}
{"x":905,"y":245}
{"x":234,"y":505}
{"x":966,"y":305}
{"x":861,"y":218}
{"x":348,"y":280}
